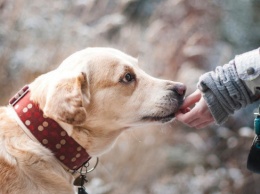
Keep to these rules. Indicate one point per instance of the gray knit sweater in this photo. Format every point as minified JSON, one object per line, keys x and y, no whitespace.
{"x":226,"y":89}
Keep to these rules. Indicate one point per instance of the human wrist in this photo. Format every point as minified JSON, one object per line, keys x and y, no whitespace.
{"x":212,"y":98}
{"x":217,"y":111}
{"x":224,"y":92}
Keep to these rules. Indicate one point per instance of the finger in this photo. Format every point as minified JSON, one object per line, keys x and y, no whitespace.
{"x":185,"y":110}
{"x":191,"y":99}
{"x":181,"y":117}
{"x":195,"y":123}
{"x":203,"y":125}
{"x":188,"y":117}
{"x":200,"y":122}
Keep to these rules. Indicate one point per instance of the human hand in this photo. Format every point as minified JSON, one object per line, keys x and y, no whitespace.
{"x":199,"y":116}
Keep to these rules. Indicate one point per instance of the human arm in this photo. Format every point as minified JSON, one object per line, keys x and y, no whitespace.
{"x":225,"y":90}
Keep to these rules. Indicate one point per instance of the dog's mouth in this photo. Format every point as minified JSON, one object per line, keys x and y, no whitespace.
{"x":162,"y":119}
{"x":165,"y":117}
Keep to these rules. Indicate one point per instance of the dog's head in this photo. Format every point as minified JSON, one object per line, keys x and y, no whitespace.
{"x":104,"y":91}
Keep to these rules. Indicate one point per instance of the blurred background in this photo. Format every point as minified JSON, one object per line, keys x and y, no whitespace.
{"x":173,"y":39}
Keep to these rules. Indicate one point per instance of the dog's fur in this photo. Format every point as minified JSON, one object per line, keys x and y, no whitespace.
{"x":95,"y":94}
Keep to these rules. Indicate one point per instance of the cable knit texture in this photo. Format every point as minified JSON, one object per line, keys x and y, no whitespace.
{"x":224,"y":92}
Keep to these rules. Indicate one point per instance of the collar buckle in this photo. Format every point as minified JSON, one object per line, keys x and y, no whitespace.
{"x":19,"y":95}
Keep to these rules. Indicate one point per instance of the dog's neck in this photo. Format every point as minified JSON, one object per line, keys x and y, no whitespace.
{"x":96,"y":138}
{"x":47,"y":131}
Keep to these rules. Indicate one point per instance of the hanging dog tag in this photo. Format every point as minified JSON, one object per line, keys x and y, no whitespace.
{"x":80,"y":180}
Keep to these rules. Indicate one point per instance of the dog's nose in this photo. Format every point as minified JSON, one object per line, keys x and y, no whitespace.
{"x":180,"y":89}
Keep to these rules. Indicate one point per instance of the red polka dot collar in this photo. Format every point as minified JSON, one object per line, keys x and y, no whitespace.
{"x":48,"y":132}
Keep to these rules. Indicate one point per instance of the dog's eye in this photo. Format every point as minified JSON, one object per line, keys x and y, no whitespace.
{"x":128,"y":78}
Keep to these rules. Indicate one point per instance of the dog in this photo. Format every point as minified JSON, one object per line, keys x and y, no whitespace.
{"x":93,"y":96}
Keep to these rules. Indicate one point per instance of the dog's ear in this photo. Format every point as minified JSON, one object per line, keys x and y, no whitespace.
{"x":67,"y":99}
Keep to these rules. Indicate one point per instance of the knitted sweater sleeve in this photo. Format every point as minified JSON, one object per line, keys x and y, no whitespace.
{"x":225,"y":90}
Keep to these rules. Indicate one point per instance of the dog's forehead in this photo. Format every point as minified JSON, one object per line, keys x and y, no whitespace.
{"x":98,"y":58}
{"x":114,"y":56}
{"x":111,"y":60}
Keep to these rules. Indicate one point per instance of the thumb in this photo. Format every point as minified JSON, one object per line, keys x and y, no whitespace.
{"x":191,"y":99}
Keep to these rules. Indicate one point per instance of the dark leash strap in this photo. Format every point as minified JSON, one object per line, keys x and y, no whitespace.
{"x":253,"y":161}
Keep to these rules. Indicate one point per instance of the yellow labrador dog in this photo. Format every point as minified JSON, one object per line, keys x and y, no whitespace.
{"x":55,"y":124}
